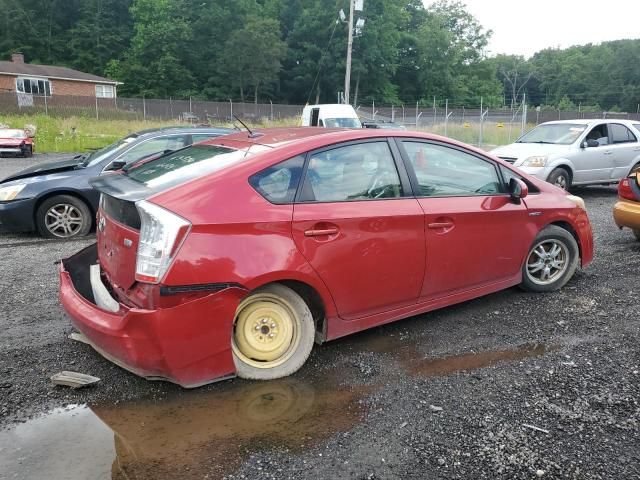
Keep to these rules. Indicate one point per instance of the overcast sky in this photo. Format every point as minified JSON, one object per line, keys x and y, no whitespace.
{"x":524,"y":27}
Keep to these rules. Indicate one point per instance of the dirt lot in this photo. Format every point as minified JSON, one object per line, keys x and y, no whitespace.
{"x":513,"y":385}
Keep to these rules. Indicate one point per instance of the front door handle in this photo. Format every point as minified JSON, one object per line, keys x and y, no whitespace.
{"x":608,"y":152}
{"x":321,"y":231}
{"x":437,"y":225}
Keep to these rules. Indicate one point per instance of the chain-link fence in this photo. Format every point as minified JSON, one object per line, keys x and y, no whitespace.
{"x":190,"y":111}
{"x":461,"y":122}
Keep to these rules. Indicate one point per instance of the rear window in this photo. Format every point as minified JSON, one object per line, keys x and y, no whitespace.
{"x":184,"y":165}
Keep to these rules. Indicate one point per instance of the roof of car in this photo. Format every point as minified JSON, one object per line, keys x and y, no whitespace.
{"x":184,"y":129}
{"x":315,"y":137}
{"x":588,"y":121}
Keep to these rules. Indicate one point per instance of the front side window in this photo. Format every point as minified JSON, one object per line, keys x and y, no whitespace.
{"x":278,"y":184}
{"x":444,"y":172}
{"x":364,"y":171}
{"x":153,"y":146}
{"x":599,"y":134}
{"x":621,"y":134}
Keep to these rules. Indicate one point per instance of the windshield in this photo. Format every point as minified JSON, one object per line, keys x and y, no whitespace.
{"x":95,"y":157}
{"x":557,"y":133}
{"x":342,"y":123}
{"x":184,"y":165}
{"x":12,"y":134}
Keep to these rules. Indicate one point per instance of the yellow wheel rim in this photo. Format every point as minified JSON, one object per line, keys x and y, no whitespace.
{"x":266,"y":331}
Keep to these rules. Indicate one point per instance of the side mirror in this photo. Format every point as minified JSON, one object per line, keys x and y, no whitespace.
{"x":518,"y":190}
{"x":590,"y":143}
{"x":116,"y":165}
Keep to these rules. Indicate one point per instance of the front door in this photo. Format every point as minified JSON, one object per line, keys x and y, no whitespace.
{"x":594,"y":164}
{"x":362,"y":236}
{"x":475,"y":234}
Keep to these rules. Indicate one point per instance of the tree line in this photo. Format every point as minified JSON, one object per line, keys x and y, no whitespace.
{"x":293,"y":51}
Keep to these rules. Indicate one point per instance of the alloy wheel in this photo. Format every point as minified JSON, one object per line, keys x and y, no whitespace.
{"x":547,"y":261}
{"x":64,"y":220}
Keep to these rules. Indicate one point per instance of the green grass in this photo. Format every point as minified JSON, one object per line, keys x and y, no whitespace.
{"x":81,"y":133}
{"x":76,"y":134}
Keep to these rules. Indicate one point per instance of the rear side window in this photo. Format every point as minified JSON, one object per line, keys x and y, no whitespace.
{"x":444,"y":172}
{"x":278,"y":184}
{"x":364,"y":171}
{"x":621,"y":134}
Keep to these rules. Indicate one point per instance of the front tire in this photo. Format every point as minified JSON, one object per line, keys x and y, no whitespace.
{"x":551,"y":262}
{"x":63,"y":216}
{"x":273,"y":333}
{"x":560,"y":178}
{"x":27,"y":151}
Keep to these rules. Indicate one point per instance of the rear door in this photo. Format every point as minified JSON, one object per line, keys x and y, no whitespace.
{"x":356,"y":225}
{"x":625,"y":150}
{"x":475,"y":234}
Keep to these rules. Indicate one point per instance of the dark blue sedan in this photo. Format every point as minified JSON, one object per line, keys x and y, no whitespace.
{"x":56,"y":200}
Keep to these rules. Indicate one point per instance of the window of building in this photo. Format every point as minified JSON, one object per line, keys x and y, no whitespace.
{"x":34,"y":86}
{"x":105,"y":91}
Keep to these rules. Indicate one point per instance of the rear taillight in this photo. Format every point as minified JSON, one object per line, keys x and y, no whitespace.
{"x":161,"y":235}
{"x":624,"y":189}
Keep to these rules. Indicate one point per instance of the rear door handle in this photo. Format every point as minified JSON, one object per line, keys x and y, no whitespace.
{"x":608,"y":152}
{"x":440,"y":225}
{"x":321,"y":231}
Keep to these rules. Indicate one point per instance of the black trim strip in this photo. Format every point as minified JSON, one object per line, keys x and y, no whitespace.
{"x":165,"y":291}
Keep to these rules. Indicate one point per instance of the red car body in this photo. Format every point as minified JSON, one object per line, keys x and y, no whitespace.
{"x":16,"y":141}
{"x":358,"y":264}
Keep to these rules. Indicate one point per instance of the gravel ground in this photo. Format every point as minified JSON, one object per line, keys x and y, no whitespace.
{"x":512,"y":385}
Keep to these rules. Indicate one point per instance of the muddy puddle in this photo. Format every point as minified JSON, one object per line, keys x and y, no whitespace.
{"x":194,"y":435}
{"x":407,"y":352}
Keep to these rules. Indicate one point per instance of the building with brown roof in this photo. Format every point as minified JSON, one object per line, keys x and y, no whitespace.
{"x":29,"y":80}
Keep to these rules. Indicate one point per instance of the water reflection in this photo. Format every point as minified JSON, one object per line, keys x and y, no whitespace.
{"x":194,"y":435}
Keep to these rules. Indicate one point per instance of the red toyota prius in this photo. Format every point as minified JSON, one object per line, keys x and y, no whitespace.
{"x":233,"y":256}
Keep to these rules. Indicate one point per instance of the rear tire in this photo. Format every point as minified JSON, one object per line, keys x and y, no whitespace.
{"x":560,"y":178}
{"x":551,"y":262}
{"x":63,"y":216}
{"x":273,"y":333}
{"x":636,"y":232}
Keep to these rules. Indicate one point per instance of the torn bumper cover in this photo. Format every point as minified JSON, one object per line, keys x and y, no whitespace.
{"x":188,"y":344}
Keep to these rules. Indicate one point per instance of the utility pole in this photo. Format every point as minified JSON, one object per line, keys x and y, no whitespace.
{"x":347,"y":75}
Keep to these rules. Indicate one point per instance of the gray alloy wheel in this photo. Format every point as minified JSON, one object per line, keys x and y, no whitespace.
{"x":551,"y":261}
{"x":63,"y":216}
{"x":560,"y":178}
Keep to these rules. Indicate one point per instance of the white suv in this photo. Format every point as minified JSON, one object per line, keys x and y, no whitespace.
{"x":577,"y":152}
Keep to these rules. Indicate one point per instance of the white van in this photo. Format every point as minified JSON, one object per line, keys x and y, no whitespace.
{"x":334,"y":115}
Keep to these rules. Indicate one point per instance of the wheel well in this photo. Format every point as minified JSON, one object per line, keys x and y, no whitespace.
{"x":566,"y":169}
{"x":313,"y":299}
{"x":70,"y":193}
{"x":567,"y":226}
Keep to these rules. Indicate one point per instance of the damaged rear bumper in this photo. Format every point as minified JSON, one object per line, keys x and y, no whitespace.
{"x":188,"y":344}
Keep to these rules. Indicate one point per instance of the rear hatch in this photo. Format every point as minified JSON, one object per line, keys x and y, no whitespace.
{"x":118,"y":222}
{"x":118,"y":228}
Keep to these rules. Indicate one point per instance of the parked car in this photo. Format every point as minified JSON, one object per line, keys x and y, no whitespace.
{"x":626,"y":212}
{"x":576,"y":152}
{"x":16,"y":142}
{"x":331,"y":115}
{"x":55,"y":198}
{"x":232,"y":256}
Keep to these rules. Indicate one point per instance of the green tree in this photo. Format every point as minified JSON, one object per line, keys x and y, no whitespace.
{"x":253,"y":55}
